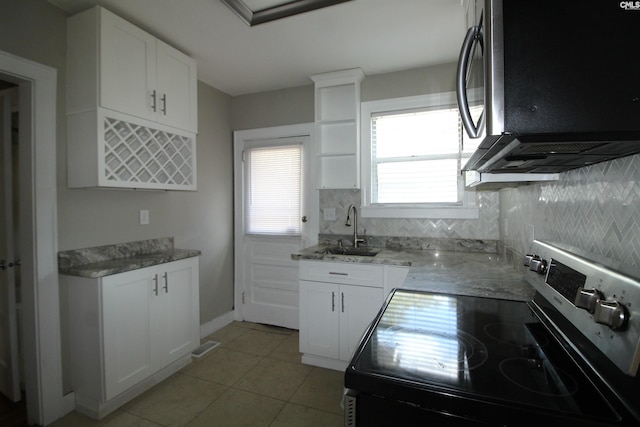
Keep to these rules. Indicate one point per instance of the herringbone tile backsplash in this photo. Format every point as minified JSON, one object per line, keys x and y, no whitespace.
{"x":595,"y":209}
{"x":484,"y":228}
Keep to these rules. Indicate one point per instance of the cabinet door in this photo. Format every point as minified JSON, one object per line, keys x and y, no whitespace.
{"x":176,"y":88}
{"x":127,"y":67}
{"x":177,"y":314}
{"x":319,"y":316}
{"x":358,"y":307}
{"x":127,"y":305}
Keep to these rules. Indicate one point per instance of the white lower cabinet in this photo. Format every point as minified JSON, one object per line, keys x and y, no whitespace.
{"x":337,"y":303}
{"x":130,"y":330}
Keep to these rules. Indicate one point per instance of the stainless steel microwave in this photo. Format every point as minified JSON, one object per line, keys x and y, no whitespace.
{"x":558,"y":80}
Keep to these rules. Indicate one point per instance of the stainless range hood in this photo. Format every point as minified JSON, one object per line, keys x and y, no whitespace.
{"x":555,"y":81}
{"x":534,"y":154}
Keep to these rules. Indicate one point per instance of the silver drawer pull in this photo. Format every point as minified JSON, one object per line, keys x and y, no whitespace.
{"x":335,"y":273}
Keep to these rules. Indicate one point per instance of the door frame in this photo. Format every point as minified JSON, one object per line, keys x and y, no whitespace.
{"x":240,"y":137}
{"x":39,"y":271}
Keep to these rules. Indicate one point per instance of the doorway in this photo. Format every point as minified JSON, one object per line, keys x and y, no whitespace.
{"x":9,"y":247}
{"x":270,"y":227}
{"x":40,"y":318}
{"x":12,"y":404}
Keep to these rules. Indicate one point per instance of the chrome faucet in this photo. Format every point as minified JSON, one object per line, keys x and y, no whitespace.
{"x":356,"y":240}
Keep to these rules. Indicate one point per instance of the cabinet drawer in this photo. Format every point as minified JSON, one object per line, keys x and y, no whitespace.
{"x":343,"y":272}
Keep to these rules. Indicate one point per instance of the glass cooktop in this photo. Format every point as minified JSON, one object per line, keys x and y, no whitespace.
{"x":471,"y":347}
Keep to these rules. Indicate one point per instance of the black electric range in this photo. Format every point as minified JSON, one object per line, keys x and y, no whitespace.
{"x":565,"y":357}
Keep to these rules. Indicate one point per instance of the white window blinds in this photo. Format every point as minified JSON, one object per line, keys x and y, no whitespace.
{"x":273,"y":190}
{"x":415,"y":156}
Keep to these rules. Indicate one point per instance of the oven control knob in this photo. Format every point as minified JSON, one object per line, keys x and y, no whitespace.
{"x":538,"y":265}
{"x":611,"y":313}
{"x":527,"y":259}
{"x":588,"y":299}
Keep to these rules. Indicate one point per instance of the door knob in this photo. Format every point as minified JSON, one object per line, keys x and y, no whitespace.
{"x":4,"y":264}
{"x":304,"y":219}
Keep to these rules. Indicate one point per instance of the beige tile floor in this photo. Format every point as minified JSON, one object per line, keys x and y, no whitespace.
{"x":253,"y":378}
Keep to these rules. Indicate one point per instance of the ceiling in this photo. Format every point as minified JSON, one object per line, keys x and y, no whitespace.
{"x":379,"y":36}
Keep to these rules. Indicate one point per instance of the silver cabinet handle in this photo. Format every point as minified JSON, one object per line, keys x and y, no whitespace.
{"x":336,"y":273}
{"x":333,"y":301}
{"x":164,"y":103}
{"x":155,"y":284}
{"x":166,"y":282}
{"x":153,"y":98}
{"x":342,"y":293}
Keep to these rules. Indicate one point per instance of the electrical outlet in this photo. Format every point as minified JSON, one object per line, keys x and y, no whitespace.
{"x":329,"y":214}
{"x":144,"y":217}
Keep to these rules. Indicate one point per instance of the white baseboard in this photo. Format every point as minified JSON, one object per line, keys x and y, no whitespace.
{"x":68,"y":403}
{"x":217,"y":323}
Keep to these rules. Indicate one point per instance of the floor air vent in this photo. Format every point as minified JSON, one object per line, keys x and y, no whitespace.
{"x":204,"y":348}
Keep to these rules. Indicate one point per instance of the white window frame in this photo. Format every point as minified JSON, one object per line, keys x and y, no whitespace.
{"x":466,"y":209}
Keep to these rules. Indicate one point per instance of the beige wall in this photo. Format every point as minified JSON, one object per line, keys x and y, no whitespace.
{"x":36,"y":30}
{"x":417,"y":81}
{"x":296,"y":105}
{"x":274,"y":108}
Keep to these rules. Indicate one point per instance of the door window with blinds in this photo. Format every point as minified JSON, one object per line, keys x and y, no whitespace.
{"x":412,"y":156}
{"x":273,"y":197}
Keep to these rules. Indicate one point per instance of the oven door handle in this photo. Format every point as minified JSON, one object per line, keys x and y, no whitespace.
{"x":473,"y":130}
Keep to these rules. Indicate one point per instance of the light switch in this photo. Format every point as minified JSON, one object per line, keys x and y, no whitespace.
{"x":144,"y":217}
{"x":329,"y":214}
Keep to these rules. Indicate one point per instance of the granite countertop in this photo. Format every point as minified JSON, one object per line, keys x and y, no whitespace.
{"x":453,"y":272}
{"x":106,"y":260}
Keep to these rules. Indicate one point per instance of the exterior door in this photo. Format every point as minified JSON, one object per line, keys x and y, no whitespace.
{"x":9,"y":364}
{"x":266,"y":276}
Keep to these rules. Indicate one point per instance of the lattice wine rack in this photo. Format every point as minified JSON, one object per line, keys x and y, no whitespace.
{"x":138,"y":154}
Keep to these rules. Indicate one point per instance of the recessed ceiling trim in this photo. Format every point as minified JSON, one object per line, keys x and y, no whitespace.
{"x":277,"y":12}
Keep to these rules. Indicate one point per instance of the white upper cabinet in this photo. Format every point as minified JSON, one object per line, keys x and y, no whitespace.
{"x":116,"y":65}
{"x":337,"y":118}
{"x":127,"y":61}
{"x":131,"y":107}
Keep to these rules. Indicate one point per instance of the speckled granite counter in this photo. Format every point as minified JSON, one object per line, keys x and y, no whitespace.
{"x":461,"y":273}
{"x":106,"y":260}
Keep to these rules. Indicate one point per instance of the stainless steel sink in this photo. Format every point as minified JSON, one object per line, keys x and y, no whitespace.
{"x":362,"y":251}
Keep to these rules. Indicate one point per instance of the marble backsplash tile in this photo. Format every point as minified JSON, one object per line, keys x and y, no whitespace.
{"x":594,"y":209}
{"x":486,"y":227}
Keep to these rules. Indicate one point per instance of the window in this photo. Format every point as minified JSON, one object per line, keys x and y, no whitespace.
{"x":273,"y":189}
{"x":411,"y":159}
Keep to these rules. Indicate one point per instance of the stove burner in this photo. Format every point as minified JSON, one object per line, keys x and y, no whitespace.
{"x":516,"y":334}
{"x":538,"y":376}
{"x":422,"y":352}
